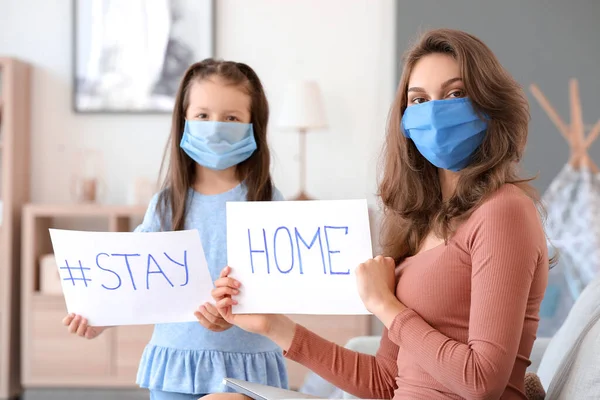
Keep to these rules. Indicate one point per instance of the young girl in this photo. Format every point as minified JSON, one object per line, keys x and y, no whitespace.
{"x":218,"y":153}
{"x":467,"y":262}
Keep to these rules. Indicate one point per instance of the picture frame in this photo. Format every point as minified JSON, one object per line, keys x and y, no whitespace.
{"x":129,"y":57}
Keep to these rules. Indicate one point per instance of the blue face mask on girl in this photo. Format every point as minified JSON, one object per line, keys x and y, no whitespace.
{"x":446,"y":132}
{"x":218,"y":145}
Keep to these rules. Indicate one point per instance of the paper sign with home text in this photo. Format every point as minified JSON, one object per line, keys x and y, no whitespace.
{"x":298,"y":257}
{"x":126,"y":278}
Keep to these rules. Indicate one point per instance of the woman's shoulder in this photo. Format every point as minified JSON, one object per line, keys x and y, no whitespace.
{"x":509,"y":207}
{"x":509,"y":220}
{"x":508,"y":196}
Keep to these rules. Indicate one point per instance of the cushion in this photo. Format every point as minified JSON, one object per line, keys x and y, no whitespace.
{"x":582,"y":380}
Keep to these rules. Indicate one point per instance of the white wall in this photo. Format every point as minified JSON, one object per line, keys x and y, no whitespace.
{"x":346,"y":45}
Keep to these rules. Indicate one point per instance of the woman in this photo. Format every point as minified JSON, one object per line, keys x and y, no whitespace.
{"x":467,"y":264}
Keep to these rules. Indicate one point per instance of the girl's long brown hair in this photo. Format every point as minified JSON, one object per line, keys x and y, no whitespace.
{"x":410,"y":189}
{"x":180,"y":173}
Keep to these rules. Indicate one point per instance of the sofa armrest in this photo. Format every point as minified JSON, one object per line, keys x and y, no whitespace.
{"x":364,"y":344}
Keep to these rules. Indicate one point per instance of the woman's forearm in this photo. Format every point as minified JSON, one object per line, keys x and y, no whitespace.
{"x":363,"y":375}
{"x":281,"y":330}
{"x":388,"y":311}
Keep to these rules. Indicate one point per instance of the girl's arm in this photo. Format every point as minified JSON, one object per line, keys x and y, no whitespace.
{"x":151,"y":221}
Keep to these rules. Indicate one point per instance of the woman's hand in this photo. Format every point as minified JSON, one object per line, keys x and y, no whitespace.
{"x":76,"y":324}
{"x":278,"y":328}
{"x":209,"y":317}
{"x":376,"y":282}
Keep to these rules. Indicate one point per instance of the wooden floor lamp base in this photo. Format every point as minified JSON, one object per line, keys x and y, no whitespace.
{"x":302,"y":195}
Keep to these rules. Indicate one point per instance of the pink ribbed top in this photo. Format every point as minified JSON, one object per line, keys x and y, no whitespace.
{"x":472,"y":315}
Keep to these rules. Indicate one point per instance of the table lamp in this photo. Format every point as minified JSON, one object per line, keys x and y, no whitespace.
{"x":302,"y":110}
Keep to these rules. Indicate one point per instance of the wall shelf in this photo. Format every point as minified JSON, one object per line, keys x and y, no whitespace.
{"x":51,"y":357}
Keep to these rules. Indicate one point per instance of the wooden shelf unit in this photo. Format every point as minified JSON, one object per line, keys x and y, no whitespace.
{"x":51,"y":357}
{"x":14,"y":192}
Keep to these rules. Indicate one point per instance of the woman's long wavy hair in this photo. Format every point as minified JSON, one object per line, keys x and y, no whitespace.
{"x":410,"y":189}
{"x":181,"y":171}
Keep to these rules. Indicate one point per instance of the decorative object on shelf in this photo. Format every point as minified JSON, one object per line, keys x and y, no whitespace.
{"x":302,"y":110}
{"x":129,"y":56}
{"x":87,"y":185}
{"x":572,"y":203}
{"x":49,"y":277}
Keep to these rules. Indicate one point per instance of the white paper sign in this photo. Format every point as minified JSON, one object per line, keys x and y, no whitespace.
{"x":298,"y":257}
{"x":126,"y":278}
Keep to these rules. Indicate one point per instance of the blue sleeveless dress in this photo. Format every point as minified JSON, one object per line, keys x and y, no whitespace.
{"x":186,"y":357}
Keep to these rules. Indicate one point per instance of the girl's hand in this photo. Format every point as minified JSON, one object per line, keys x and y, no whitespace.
{"x":76,"y":324}
{"x":377,"y":283}
{"x":225,"y":288}
{"x":209,"y":317}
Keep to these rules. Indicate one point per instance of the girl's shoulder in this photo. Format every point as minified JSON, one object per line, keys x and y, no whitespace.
{"x":154,"y":213}
{"x":277,"y":195}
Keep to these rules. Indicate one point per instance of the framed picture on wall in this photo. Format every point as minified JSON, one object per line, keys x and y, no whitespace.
{"x":129,"y":56}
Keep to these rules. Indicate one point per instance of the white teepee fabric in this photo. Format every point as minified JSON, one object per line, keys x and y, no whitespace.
{"x":572,"y":205}
{"x":573,"y":223}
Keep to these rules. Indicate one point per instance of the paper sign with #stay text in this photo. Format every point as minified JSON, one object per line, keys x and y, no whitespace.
{"x":127,"y":278}
{"x":298,"y":257}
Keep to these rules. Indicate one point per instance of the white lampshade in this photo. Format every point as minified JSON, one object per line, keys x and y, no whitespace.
{"x":302,"y":107}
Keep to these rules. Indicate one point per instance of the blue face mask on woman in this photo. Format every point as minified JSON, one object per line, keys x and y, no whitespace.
{"x":446,"y":132}
{"x":218,"y":145}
